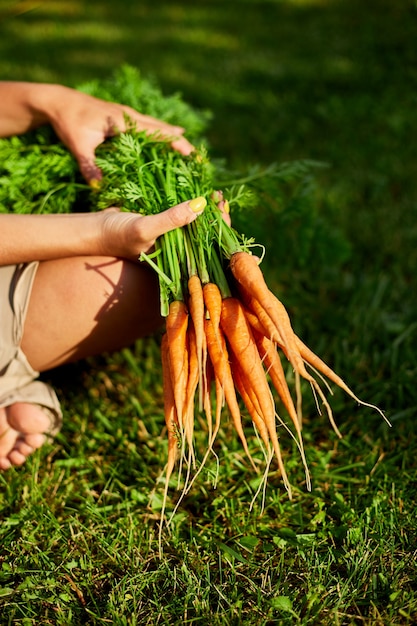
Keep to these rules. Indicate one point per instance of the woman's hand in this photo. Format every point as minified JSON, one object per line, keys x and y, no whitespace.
{"x":81,"y":121}
{"x":127,"y":235}
{"x":85,"y":122}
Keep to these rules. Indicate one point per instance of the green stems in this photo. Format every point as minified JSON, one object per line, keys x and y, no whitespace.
{"x":148,"y":176}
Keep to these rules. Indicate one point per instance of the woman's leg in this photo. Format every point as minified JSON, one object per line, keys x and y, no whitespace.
{"x":85,"y":306}
{"x":78,"y":307}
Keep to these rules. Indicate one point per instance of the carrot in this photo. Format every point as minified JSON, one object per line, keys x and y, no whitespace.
{"x":213,"y":302}
{"x":241,"y":341}
{"x":316,"y":362}
{"x":247,"y":272}
{"x":210,"y":377}
{"x":259,"y":329}
{"x":212,"y":432}
{"x":171,"y":421}
{"x":239,"y":335}
{"x":270,"y":357}
{"x":258,"y":317}
{"x":251,"y":403}
{"x":218,"y":368}
{"x":192,"y":383}
{"x":176,"y":329}
{"x":207,"y":407}
{"x":255,"y":323}
{"x":219,"y":358}
{"x":196,"y":309}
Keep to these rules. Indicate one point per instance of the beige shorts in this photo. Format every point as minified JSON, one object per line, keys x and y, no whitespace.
{"x":17,"y":378}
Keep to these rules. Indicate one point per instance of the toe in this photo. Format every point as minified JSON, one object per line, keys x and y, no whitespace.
{"x":16,"y":458}
{"x":22,"y":447}
{"x":35,"y":440}
{"x":7,"y":437}
{"x":5,"y":464}
{"x":28,"y":418}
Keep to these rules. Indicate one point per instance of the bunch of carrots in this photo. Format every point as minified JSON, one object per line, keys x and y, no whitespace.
{"x":226,"y":332}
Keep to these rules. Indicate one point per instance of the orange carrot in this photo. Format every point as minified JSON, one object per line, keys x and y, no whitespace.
{"x":239,"y":335}
{"x":219,"y":358}
{"x":212,"y":378}
{"x":176,"y":328}
{"x":270,"y":357}
{"x":258,"y":317}
{"x":260,"y":331}
{"x":251,"y":402}
{"x":171,"y":421}
{"x":193,"y":369}
{"x":212,"y":433}
{"x":252,"y":405}
{"x":213,"y":301}
{"x":247,"y":272}
{"x":192,"y":383}
{"x":196,"y":309}
{"x":255,"y":322}
{"x":316,"y":362}
{"x":241,"y":341}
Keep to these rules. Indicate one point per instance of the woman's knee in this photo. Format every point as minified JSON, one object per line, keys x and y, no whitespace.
{"x":87,"y":305}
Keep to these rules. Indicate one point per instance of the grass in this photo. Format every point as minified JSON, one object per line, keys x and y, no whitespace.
{"x":331,"y":81}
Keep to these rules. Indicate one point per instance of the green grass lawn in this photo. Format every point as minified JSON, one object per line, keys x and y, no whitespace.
{"x":333,"y":82}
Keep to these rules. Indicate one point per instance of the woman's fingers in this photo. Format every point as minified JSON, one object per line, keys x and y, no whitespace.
{"x":182,"y":145}
{"x":90,"y":121}
{"x":153,"y":226}
{"x":223,"y":206}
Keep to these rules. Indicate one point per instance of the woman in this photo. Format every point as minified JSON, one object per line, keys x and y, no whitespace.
{"x":70,"y":285}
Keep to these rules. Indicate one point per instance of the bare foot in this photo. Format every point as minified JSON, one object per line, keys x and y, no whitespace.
{"x":22,"y":428}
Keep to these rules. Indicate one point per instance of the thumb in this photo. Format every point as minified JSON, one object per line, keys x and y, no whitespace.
{"x":153,"y":226}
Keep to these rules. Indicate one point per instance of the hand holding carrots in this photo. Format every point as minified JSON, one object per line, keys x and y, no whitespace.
{"x":127,"y":235}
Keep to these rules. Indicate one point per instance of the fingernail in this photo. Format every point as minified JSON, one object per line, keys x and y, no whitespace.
{"x":95,"y":183}
{"x":226,"y":207}
{"x":198,"y":204}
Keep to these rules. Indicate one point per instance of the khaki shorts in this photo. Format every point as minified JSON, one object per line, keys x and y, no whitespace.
{"x":17,"y":378}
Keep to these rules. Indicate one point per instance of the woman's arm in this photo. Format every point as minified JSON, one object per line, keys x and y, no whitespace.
{"x":27,"y":238}
{"x":82,"y":122}
{"x":18,"y":111}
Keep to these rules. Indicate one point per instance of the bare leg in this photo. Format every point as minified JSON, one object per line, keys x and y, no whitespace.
{"x":85,"y":306}
{"x":79,"y":307}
